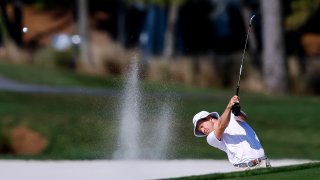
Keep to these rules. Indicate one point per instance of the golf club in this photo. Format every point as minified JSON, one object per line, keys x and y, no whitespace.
{"x":236,"y":107}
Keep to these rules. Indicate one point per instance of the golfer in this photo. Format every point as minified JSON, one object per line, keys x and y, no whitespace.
{"x":233,"y":135}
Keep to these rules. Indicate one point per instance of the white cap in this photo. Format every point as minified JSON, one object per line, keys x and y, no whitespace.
{"x":199,"y":116}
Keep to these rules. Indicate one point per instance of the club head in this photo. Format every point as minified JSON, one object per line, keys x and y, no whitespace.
{"x":251,"y":19}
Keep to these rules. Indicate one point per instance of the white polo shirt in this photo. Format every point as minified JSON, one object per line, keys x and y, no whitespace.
{"x":239,"y":141}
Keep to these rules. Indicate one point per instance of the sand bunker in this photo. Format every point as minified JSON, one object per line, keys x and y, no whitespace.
{"x":109,"y":169}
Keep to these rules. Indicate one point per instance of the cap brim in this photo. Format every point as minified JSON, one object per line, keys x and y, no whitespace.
{"x":198,"y":133}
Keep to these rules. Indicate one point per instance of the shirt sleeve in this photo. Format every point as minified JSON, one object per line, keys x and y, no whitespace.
{"x":213,"y":141}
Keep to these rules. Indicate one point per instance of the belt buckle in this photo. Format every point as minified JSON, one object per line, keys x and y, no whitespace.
{"x":251,"y":163}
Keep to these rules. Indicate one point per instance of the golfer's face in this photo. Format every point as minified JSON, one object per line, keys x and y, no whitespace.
{"x":206,"y":126}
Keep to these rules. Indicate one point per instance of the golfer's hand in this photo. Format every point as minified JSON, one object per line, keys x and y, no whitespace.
{"x":233,"y":100}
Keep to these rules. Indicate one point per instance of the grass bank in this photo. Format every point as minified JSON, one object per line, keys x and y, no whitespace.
{"x":53,"y":77}
{"x":86,"y":127}
{"x":306,"y":171}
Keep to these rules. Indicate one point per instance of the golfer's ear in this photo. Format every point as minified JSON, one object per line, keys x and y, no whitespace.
{"x":211,"y":118}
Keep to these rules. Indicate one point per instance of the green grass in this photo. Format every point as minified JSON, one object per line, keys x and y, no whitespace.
{"x":54,"y":77}
{"x":36,"y":74}
{"x":310,"y":171}
{"x":76,"y":126}
{"x":85,"y":127}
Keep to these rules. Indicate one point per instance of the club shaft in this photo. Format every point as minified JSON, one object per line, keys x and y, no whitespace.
{"x":243,"y":55}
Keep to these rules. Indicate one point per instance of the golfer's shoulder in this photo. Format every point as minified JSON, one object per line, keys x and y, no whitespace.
{"x":212,"y":139}
{"x":214,"y":142}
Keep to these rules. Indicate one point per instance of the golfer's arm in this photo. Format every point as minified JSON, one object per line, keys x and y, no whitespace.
{"x":223,"y":123}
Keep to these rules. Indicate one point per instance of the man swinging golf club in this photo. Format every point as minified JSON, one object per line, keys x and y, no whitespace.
{"x":231,"y":133}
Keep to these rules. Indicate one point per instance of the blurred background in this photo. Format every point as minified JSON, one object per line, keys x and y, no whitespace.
{"x":63,"y":66}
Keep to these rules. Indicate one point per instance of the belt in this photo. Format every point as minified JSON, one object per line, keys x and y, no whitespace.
{"x":251,"y":163}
